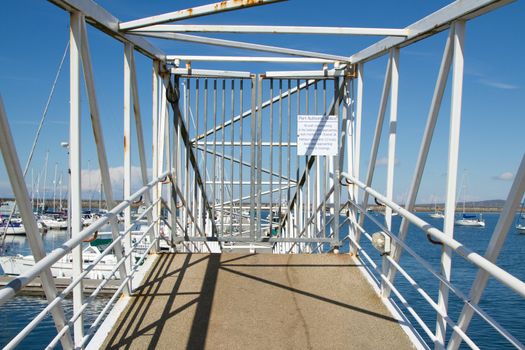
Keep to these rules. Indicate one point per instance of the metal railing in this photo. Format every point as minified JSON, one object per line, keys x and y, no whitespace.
{"x":18,"y":283}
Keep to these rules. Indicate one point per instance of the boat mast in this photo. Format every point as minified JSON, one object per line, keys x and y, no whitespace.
{"x":55,"y":187}
{"x":45,"y":180}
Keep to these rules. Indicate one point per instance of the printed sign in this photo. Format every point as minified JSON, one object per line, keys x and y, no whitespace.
{"x":317,"y":135}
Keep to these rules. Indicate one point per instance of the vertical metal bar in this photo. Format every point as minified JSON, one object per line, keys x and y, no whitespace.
{"x":279,"y":213}
{"x":271,"y":155}
{"x":252,"y":156}
{"x":241,"y":138}
{"x":298,"y":208}
{"x":289,"y":170}
{"x":223,"y":109}
{"x":154,"y":144}
{"x":307,"y":171}
{"x":377,"y":139}
{"x":453,"y":154}
{"x":205,"y":174}
{"x":423,"y":151}
{"x":23,"y":201}
{"x":232,"y":154}
{"x":214,"y":181}
{"x":160,"y":148}
{"x":357,"y":146}
{"x":336,"y":173}
{"x":317,"y":179}
{"x":392,"y":133}
{"x":197,"y":205}
{"x":75,"y":170}
{"x":187,"y":176}
{"x":128,"y":52}
{"x":259,"y":154}
{"x":494,"y":248}
{"x":326,"y":170}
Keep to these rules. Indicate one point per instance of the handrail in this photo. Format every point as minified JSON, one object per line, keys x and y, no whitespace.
{"x":61,"y":296}
{"x":493,"y":323}
{"x":493,"y":270}
{"x":24,"y":279}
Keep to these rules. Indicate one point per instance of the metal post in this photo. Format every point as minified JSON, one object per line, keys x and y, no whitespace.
{"x":494,"y":248}
{"x":16,"y":178}
{"x":252,"y":156}
{"x":452,"y":169}
{"x":140,"y":135}
{"x":75,"y":187}
{"x":357,"y":146}
{"x":101,"y":152}
{"x":392,"y":133}
{"x":423,"y":152}
{"x":259,"y":156}
{"x":128,"y":52}
{"x":377,"y":139}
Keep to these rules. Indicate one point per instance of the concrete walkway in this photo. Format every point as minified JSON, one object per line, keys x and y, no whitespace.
{"x":256,"y":301}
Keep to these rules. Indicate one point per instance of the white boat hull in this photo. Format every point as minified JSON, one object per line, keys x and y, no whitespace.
{"x":16,"y":230}
{"x":437,"y":216}
{"x":55,"y":224}
{"x":520,"y":228}
{"x":16,"y":265}
{"x":470,"y":222}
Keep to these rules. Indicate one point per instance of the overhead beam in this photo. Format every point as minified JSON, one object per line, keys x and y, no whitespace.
{"x":242,"y":45}
{"x":218,"y":28}
{"x":430,"y":25}
{"x":105,"y":21}
{"x":196,"y":58}
{"x":199,"y":11}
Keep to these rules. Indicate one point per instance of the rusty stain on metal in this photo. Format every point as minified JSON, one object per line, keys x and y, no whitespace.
{"x":125,"y":143}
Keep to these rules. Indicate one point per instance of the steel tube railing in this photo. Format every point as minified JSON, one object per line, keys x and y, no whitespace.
{"x":423,"y":294}
{"x":93,"y":295}
{"x":61,"y":296}
{"x":24,"y":279}
{"x":493,"y":323}
{"x":493,"y":270}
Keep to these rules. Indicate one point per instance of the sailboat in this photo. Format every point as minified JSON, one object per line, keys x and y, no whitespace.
{"x":437,"y":214}
{"x":471,"y":220}
{"x":520,"y":222}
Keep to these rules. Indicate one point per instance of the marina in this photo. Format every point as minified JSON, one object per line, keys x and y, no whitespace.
{"x":216,"y":198}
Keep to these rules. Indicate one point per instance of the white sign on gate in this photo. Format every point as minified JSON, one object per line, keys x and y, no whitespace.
{"x":317,"y":135}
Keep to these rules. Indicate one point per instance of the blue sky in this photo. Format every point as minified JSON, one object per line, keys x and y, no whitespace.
{"x":35,"y":33}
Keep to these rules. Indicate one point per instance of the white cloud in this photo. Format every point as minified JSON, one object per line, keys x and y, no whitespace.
{"x":506,"y":176}
{"x":498,"y":84}
{"x":383,"y":161}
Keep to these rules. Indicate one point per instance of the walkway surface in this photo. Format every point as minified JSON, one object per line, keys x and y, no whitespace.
{"x":256,"y":301}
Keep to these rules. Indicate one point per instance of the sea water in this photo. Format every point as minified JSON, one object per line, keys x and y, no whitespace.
{"x":505,"y":306}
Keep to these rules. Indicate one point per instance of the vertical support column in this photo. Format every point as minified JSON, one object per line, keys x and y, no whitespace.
{"x":16,"y":178}
{"x":336,"y":171}
{"x":101,"y":150}
{"x":128,"y":52}
{"x":350,"y":155}
{"x":154,"y":140}
{"x":376,"y":141}
{"x":452,"y":169}
{"x":75,"y":205}
{"x":140,"y":134}
{"x":259,"y":155}
{"x":392,"y":133}
{"x":494,"y":248}
{"x":423,"y":151}
{"x":252,"y":156}
{"x":161,"y":138}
